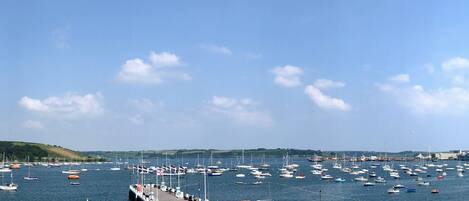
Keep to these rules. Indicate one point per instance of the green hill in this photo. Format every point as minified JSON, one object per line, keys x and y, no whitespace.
{"x":20,"y":151}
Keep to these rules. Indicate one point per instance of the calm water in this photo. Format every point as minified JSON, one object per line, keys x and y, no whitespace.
{"x":113,"y":185}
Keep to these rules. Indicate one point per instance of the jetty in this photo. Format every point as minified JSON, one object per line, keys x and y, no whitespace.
{"x":152,"y":192}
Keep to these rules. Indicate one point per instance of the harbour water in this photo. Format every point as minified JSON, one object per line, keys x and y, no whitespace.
{"x":104,"y":184}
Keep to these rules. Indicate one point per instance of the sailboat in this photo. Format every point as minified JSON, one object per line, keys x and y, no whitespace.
{"x":29,"y":177}
{"x":264,"y":165}
{"x":9,"y":187}
{"x":242,"y":161}
{"x":205,"y":184}
{"x":116,"y":167}
{"x":2,"y":167}
{"x":179,"y":193}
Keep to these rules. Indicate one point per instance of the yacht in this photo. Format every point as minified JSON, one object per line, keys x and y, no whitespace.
{"x":11,"y":186}
{"x":326,"y":177}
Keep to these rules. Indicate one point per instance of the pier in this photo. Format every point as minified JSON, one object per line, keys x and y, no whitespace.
{"x":151,"y":192}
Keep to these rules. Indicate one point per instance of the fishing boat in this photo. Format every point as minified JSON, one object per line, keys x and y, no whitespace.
{"x":9,"y":187}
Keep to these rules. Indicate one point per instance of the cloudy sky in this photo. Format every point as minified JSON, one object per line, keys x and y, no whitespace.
{"x":330,"y":75}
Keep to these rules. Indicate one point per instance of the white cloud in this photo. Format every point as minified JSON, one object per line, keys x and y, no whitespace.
{"x":327,"y":84}
{"x":137,"y":120}
{"x":456,"y":63}
{"x":242,"y":111}
{"x":400,"y":78}
{"x":217,"y":49}
{"x":164,"y":59}
{"x":324,"y":101}
{"x":138,"y":71}
{"x":71,"y":105}
{"x":453,"y":100}
{"x":287,"y":76}
{"x":32,"y":124}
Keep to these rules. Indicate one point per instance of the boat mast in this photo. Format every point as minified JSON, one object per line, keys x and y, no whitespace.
{"x":205,"y":184}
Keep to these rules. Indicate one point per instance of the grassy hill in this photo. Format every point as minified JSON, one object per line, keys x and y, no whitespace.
{"x":19,"y":151}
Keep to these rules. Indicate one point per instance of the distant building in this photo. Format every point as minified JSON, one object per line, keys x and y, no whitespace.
{"x":446,"y":155}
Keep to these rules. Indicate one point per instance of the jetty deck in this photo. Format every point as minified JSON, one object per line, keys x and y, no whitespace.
{"x":149,"y":193}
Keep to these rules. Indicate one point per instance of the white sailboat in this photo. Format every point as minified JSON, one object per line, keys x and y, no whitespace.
{"x":9,"y":187}
{"x":243,"y":165}
{"x":116,"y":167}
{"x":179,"y":193}
{"x":29,"y":177}
{"x":4,"y":169}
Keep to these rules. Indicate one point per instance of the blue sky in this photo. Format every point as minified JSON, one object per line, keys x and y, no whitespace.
{"x":330,"y":75}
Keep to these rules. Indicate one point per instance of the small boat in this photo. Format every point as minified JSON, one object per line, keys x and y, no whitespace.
{"x":440,"y":177}
{"x":424,"y":183}
{"x":411,"y":190}
{"x":399,"y":186}
{"x":216,"y":173}
{"x":460,"y":174}
{"x":369,"y":184}
{"x":75,"y":183}
{"x":300,"y":176}
{"x":259,"y":177}
{"x":380,"y":180}
{"x":360,"y":179}
{"x":393,"y":190}
{"x":240,"y":175}
{"x":339,"y":180}
{"x":73,"y":176}
{"x":326,"y":177}
{"x":75,"y":172}
{"x":115,"y":168}
{"x":257,"y":182}
{"x":435,"y":190}
{"x":286,"y":175}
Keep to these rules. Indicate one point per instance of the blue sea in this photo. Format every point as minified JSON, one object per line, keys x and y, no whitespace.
{"x":103,"y":185}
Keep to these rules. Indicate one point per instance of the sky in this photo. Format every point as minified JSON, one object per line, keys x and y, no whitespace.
{"x":328,"y":75}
